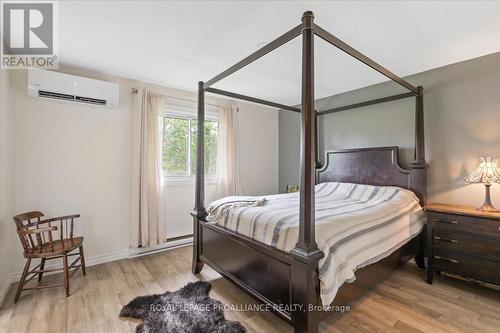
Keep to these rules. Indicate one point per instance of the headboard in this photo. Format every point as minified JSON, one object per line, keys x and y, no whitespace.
{"x":372,"y":166}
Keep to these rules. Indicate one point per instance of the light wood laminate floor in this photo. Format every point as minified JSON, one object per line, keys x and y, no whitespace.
{"x":402,"y":303}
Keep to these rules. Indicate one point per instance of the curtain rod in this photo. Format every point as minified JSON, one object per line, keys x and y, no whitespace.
{"x":135,"y":91}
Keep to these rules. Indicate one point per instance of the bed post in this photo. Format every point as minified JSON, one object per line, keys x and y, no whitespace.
{"x":199,"y":214}
{"x":419,"y":162}
{"x":306,"y":255}
{"x":419,"y":166}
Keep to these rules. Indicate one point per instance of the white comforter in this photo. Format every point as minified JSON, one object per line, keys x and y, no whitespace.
{"x":356,"y":225}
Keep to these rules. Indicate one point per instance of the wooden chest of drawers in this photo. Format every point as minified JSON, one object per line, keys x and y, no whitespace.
{"x":463,"y":241}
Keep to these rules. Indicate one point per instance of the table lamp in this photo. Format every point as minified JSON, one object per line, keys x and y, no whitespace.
{"x":487,"y":173}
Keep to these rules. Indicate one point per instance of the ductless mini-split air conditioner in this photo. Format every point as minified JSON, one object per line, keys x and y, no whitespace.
{"x":73,"y":89}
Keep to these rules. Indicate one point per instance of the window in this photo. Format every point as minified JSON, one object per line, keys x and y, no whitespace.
{"x":179,"y":146}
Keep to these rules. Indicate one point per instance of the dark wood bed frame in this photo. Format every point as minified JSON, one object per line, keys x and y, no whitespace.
{"x":288,"y":282}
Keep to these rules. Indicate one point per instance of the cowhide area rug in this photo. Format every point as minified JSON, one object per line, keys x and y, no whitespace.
{"x":187,"y":310}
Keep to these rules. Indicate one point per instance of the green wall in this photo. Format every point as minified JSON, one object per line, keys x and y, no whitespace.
{"x":462,"y":122}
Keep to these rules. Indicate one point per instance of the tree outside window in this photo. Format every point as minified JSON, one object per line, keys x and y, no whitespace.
{"x":179,"y":146}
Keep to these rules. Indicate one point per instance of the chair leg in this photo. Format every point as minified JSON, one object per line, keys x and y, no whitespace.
{"x":23,"y":279}
{"x":66,"y":274}
{"x":82,"y":261}
{"x":42,"y":267}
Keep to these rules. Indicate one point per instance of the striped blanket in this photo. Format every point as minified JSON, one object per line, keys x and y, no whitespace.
{"x":356,"y":225}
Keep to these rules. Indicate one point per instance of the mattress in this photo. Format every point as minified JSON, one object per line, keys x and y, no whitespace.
{"x":356,"y":225}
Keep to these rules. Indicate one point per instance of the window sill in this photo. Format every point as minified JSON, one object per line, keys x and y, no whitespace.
{"x":185,"y":181}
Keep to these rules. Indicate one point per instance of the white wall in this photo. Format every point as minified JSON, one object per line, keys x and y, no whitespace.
{"x":179,"y":200}
{"x":71,"y":158}
{"x":7,"y":229}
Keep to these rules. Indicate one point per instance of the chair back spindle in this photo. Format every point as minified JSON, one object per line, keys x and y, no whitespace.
{"x":25,"y":222}
{"x":34,"y":233}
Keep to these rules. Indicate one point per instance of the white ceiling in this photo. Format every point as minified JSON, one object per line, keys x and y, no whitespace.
{"x":179,"y":43}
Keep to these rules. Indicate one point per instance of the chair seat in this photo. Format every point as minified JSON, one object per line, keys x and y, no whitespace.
{"x":58,"y":247}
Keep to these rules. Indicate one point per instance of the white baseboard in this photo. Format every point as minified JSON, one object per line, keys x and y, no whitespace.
{"x":104,"y":258}
{"x":134,"y":253}
{"x":101,"y":259}
{"x":4,"y":290}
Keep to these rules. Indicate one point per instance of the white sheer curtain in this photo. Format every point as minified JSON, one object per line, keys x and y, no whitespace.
{"x":227,"y":178}
{"x":148,"y":206}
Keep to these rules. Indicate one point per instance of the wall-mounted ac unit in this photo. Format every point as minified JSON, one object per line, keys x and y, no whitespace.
{"x":73,"y":89}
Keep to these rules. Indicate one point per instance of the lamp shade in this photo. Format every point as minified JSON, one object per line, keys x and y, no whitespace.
{"x":487,"y":172}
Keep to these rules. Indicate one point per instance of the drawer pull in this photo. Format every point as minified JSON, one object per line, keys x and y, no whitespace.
{"x":446,"y":221}
{"x":446,"y":239}
{"x":446,"y":259}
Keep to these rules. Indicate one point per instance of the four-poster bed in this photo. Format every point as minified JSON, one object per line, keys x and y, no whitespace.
{"x":286,"y":280}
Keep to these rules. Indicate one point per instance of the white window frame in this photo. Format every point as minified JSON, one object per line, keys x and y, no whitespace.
{"x":190,"y":114}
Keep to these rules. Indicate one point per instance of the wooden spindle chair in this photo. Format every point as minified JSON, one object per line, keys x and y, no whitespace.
{"x":39,"y":240}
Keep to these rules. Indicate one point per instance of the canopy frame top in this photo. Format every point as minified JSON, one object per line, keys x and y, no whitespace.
{"x":284,"y":39}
